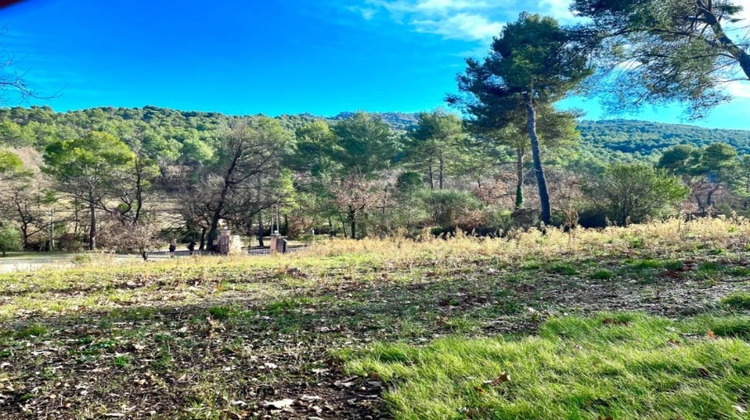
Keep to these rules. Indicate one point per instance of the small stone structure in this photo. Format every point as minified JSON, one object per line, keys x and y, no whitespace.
{"x":225,"y":241}
{"x":278,"y":244}
{"x":235,"y":245}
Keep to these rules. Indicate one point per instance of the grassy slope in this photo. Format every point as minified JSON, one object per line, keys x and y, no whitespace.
{"x":216,"y":338}
{"x":619,"y":366}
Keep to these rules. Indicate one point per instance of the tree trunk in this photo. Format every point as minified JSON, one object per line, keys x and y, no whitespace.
{"x":710,"y":196}
{"x":76,"y":217}
{"x":203,"y":240}
{"x":432,"y":177}
{"x":144,"y":254}
{"x":260,"y":229}
{"x":92,"y":225}
{"x":519,"y":178}
{"x":343,"y":227}
{"x":25,"y":234}
{"x":701,"y":207}
{"x":440,"y":172}
{"x":213,"y":232}
{"x":353,"y":223}
{"x":138,"y":191}
{"x":541,"y":180}
{"x":742,"y":56}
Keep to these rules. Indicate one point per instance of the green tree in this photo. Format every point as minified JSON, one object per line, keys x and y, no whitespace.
{"x":680,"y":159}
{"x":10,"y":239}
{"x":13,"y":134}
{"x":668,"y":50}
{"x":533,"y":62}
{"x":365,"y":146}
{"x":311,"y":159}
{"x":10,"y":165}
{"x":705,"y":171}
{"x":89,"y":169}
{"x":242,"y":181}
{"x":633,"y":193}
{"x":435,"y":143}
{"x":21,"y":198}
{"x":311,"y":154}
{"x":138,"y":181}
{"x":555,"y":129}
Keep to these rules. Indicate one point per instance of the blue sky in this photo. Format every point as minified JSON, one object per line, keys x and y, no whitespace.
{"x":273,"y":56}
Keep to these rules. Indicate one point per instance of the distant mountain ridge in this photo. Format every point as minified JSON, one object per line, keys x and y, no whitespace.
{"x":621,"y":136}
{"x":397,"y":120}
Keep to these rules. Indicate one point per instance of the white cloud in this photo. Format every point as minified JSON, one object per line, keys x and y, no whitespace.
{"x":558,"y":9}
{"x":467,"y":20}
{"x":442,"y":6}
{"x":745,"y":14}
{"x":368,"y":14}
{"x":739,"y":89}
{"x":432,"y":7}
{"x":741,"y":28}
{"x":463,"y":26}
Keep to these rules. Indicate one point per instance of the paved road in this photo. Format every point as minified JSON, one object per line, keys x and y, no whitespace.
{"x":31,"y":262}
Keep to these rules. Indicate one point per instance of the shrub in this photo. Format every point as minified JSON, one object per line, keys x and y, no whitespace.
{"x":592,"y":217}
{"x":497,"y":219}
{"x":635,"y":193}
{"x":10,"y":240}
{"x":409,"y":182}
{"x":448,"y":208}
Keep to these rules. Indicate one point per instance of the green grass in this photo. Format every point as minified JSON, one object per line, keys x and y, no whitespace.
{"x":673,"y":265}
{"x":221,"y":313}
{"x":623,"y":366}
{"x":710,"y":267}
{"x":602,"y":275}
{"x":740,"y":272}
{"x":563,"y":268}
{"x":33,"y":330}
{"x":738,"y":301}
{"x":648,"y":264}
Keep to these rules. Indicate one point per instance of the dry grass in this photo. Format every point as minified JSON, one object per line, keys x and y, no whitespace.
{"x":215,"y":337}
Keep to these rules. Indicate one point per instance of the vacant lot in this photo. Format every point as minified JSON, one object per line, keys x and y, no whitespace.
{"x":645,"y":322}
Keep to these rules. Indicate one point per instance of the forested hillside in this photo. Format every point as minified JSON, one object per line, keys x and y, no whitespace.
{"x":607,"y":140}
{"x":647,"y":139}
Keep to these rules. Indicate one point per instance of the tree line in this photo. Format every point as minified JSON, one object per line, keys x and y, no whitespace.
{"x":119,"y":178}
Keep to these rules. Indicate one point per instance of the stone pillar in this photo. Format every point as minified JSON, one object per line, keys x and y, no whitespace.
{"x":274,"y":242}
{"x":225,"y":239}
{"x":281,"y":246}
